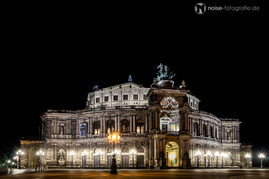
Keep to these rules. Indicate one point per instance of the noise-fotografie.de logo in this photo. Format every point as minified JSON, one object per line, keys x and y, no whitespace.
{"x":200,"y":8}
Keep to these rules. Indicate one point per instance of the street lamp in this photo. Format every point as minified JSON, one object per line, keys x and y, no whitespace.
{"x":19,"y":154}
{"x":8,"y":164}
{"x":133,"y":152}
{"x":15,"y":158}
{"x":114,"y":138}
{"x":72,"y":153}
{"x":247,"y":156}
{"x":217,"y":158}
{"x":209,"y":155}
{"x":12,"y":164}
{"x":197,"y":154}
{"x":261,"y":156}
{"x":39,"y":154}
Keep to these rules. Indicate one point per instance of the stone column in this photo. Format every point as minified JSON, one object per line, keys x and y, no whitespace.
{"x":156,"y":116}
{"x":101,"y":126}
{"x":116,"y":124}
{"x":55,"y":152}
{"x":134,"y":120}
{"x":78,"y":132}
{"x":104,"y":126}
{"x":151,"y":153}
{"x":119,"y":119}
{"x":146,"y":124}
{"x":150,"y":121}
{"x":91,"y":127}
{"x":237,"y":134}
{"x":147,"y":154}
{"x":131,"y":123}
{"x":201,"y":127}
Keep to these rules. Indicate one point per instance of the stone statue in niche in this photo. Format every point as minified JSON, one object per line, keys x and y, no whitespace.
{"x":61,"y":158}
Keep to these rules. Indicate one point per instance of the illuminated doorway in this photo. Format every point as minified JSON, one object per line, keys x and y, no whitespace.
{"x":172,"y":154}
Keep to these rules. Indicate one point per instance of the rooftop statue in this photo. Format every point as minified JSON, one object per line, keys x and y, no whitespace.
{"x":163,"y":73}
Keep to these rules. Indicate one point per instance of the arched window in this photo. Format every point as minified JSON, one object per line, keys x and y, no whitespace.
{"x":96,"y":128}
{"x":229,"y":135}
{"x":125,"y":127}
{"x":205,"y":130}
{"x":140,"y":150}
{"x":125,"y":150}
{"x":140,"y":127}
{"x":109,"y":150}
{"x":83,"y":130}
{"x":195,"y":129}
{"x":110,"y":126}
{"x":211,"y":131}
{"x":61,"y":129}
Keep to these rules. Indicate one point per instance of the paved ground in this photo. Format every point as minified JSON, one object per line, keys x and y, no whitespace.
{"x":144,"y":173}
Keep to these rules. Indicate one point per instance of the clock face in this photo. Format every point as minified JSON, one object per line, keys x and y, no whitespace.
{"x":169,"y":102}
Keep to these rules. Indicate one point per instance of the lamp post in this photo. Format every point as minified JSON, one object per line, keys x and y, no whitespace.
{"x":133,"y":152}
{"x":39,"y":154}
{"x":8,"y":164}
{"x":247,"y":156}
{"x":261,"y":156}
{"x":19,"y":154}
{"x":197,"y":154}
{"x":15,"y":158}
{"x":114,"y":138}
{"x":72,"y":153}
{"x":217,"y":159}
{"x":209,"y":155}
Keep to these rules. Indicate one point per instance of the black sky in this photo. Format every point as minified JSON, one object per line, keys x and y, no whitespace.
{"x":53,"y":63}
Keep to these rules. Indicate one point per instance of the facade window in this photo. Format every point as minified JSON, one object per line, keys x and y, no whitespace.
{"x":61,"y":129}
{"x":205,"y":130}
{"x":174,"y":126}
{"x":195,"y":129}
{"x":125,"y":126}
{"x":135,"y":97}
{"x":125,"y":97}
{"x":96,"y":128}
{"x":216,"y":133}
{"x":144,"y":96}
{"x":115,"y":98}
{"x":140,"y":127}
{"x":229,"y":135}
{"x":140,"y":150}
{"x":125,"y":150}
{"x":106,"y":98}
{"x":110,"y":126}
{"x":211,"y":131}
{"x":83,"y":130}
{"x":97,"y":100}
{"x":164,"y":127}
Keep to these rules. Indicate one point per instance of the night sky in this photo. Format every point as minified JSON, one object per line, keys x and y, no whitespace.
{"x":55,"y":65}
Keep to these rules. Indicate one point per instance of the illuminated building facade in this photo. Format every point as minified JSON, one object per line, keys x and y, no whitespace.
{"x":160,"y":127}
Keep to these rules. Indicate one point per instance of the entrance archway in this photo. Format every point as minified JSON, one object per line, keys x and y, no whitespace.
{"x":172,"y":154}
